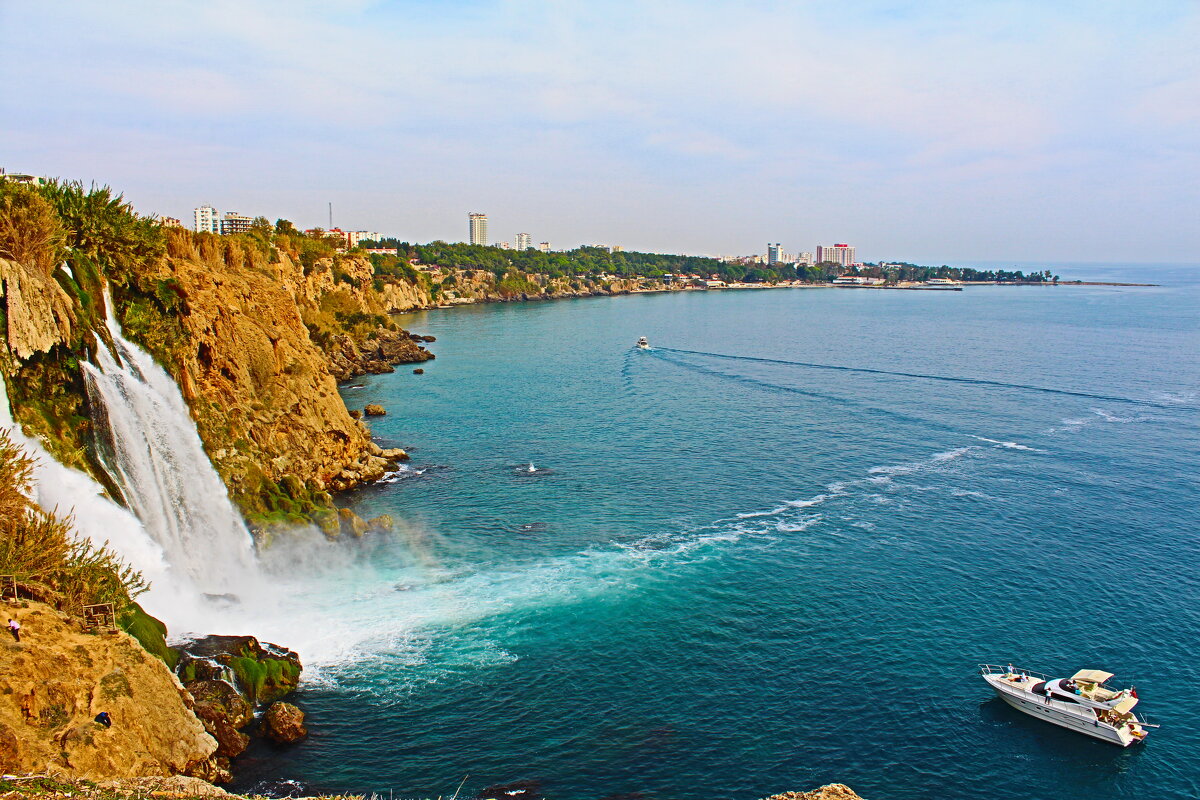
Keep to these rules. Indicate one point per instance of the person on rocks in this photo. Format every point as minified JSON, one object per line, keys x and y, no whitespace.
{"x":104,"y":719}
{"x":14,"y":628}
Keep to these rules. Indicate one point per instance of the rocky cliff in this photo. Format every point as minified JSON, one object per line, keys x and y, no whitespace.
{"x":58,"y":678}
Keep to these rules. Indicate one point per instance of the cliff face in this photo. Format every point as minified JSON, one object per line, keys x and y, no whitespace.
{"x":56,"y":680}
{"x":261,"y":391}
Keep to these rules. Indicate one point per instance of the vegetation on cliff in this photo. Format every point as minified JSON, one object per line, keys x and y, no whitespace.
{"x":42,"y":552}
{"x":253,"y":328}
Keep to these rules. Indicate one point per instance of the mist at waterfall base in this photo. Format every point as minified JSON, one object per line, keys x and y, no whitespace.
{"x":728,"y":578}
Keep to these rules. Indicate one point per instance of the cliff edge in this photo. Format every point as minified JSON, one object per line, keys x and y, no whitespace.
{"x":58,"y":678}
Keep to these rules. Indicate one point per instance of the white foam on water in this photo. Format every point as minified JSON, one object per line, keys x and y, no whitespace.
{"x":933,"y":461}
{"x":797,"y":527}
{"x":1008,"y":445}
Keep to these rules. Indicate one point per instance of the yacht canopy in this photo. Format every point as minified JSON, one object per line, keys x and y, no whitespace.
{"x":1125,"y":705}
{"x":1091,"y":676}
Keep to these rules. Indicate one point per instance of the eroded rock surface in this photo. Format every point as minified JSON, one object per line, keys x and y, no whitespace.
{"x":58,"y":679}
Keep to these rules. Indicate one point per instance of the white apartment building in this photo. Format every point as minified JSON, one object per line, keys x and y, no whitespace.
{"x":206,"y":219}
{"x":544,"y":247}
{"x":478,"y":228}
{"x":840,"y":254}
{"x":234,"y":222}
{"x":524,"y":241}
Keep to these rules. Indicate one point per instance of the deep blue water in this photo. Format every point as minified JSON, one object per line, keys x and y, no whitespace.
{"x":732,"y":577}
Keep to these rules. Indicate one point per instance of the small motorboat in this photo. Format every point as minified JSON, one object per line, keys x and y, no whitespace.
{"x":643,"y":343}
{"x":1082,"y":702}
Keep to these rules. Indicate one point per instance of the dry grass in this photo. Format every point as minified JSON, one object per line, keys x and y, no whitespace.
{"x":42,"y":552}
{"x":30,"y":231}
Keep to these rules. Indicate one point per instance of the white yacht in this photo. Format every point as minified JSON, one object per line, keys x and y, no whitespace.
{"x":941,"y":282}
{"x":643,"y":343}
{"x":1082,"y":702}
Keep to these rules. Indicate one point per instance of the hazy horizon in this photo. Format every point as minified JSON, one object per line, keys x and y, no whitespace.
{"x":930,"y":132}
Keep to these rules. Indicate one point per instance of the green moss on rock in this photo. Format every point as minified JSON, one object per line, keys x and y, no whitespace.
{"x":151,"y":633}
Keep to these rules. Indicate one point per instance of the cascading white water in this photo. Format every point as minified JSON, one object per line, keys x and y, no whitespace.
{"x":62,"y":490}
{"x":149,"y":444}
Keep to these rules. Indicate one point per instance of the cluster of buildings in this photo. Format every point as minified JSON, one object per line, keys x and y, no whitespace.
{"x":207,"y":219}
{"x":841,"y":254}
{"x":477,"y":233}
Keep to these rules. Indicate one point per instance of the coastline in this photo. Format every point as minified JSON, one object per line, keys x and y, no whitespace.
{"x":661,"y":288}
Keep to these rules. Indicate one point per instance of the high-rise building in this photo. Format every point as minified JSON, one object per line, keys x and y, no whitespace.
{"x":234,"y":222}
{"x":206,"y":219}
{"x":478,"y":223}
{"x":805,"y":258}
{"x":774,"y":254}
{"x":524,"y":241}
{"x":840,"y":254}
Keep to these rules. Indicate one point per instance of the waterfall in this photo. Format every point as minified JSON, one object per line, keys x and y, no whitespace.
{"x":62,"y":490}
{"x":180,"y":528}
{"x":147,"y":441}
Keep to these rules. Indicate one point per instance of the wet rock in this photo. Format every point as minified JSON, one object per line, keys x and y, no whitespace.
{"x":394,"y":454}
{"x":418,"y":371}
{"x":355,"y":413}
{"x":517,"y":790}
{"x":374,"y":410}
{"x":328,"y":522}
{"x":220,"y":700}
{"x":261,"y":672}
{"x":284,"y":723}
{"x":352,"y":524}
{"x":381,"y":524}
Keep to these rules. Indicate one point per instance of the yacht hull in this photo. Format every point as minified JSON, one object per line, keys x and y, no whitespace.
{"x":1035,"y":706}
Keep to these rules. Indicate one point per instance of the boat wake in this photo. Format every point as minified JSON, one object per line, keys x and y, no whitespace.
{"x":1174,"y":402}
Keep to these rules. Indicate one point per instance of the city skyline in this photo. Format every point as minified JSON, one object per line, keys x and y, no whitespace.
{"x":929,"y":132}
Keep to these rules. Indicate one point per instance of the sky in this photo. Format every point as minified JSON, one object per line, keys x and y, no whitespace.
{"x":929,"y":131}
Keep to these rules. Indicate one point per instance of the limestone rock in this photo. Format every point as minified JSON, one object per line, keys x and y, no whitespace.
{"x":284,"y":723}
{"x":224,"y":712}
{"x":374,"y":410}
{"x":59,"y":678}
{"x":38,"y":310}
{"x":832,"y":791}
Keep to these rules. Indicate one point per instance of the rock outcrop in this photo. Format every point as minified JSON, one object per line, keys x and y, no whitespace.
{"x":58,"y":678}
{"x":260,"y":672}
{"x":284,"y":723}
{"x":831,"y":791}
{"x":39,"y":312}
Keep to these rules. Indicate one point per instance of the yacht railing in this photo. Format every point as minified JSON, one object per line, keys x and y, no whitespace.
{"x":996,"y":669}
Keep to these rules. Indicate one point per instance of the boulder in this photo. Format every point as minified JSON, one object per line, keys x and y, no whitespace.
{"x":374,"y":410}
{"x":352,"y":524}
{"x":284,"y":723}
{"x":261,"y":672}
{"x":418,"y":371}
{"x":381,"y":524}
{"x":394,"y":454}
{"x":219,"y":700}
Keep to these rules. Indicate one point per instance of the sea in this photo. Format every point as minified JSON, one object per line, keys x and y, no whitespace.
{"x":772,"y":551}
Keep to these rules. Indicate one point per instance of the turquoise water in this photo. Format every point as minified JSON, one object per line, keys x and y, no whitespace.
{"x":730,"y":575}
